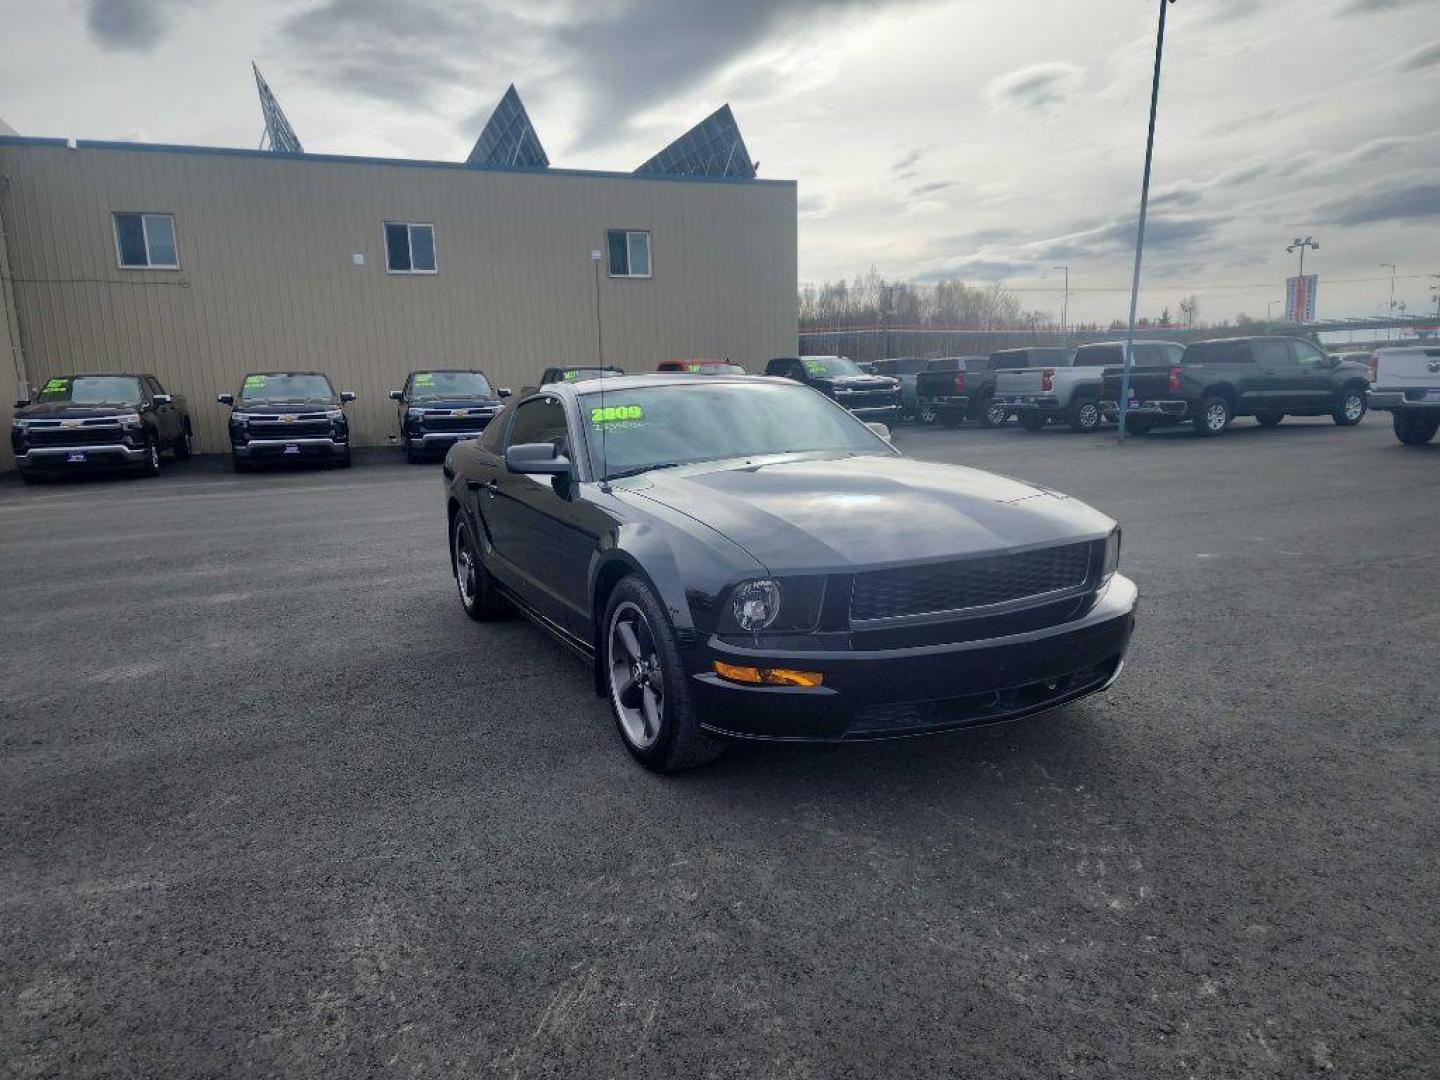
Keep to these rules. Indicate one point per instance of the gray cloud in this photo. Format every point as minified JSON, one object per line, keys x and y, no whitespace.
{"x":129,"y":24}
{"x":1426,"y":56}
{"x":1400,"y":202}
{"x":1375,"y":7}
{"x":931,"y":186}
{"x":1035,"y":86}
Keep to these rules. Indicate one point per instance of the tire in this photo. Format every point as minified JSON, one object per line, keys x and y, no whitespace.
{"x":151,"y":464}
{"x":926,"y":415}
{"x":646,"y":683}
{"x":1269,"y":418}
{"x":1139,"y":425}
{"x":991,"y":414}
{"x":1031,"y":420}
{"x":1213,"y":416}
{"x":185,"y":445}
{"x":1415,"y":429}
{"x":413,"y":456}
{"x":1350,"y":407}
{"x":344,"y":462}
{"x":1085,"y":415}
{"x":479,"y":595}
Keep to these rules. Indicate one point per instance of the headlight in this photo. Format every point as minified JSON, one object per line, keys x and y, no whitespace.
{"x":1112,"y":555}
{"x":129,"y":419}
{"x":755,"y":604}
{"x":20,"y":424}
{"x":335,"y":414}
{"x":415,"y":414}
{"x":239,"y":417}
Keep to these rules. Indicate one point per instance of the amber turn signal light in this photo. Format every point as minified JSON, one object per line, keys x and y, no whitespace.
{"x":771,"y":676}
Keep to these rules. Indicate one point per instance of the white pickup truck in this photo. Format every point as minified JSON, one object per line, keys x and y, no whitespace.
{"x":1071,"y":394}
{"x":1405,"y":381}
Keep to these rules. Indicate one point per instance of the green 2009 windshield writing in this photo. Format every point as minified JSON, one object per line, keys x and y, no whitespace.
{"x":56,"y":386}
{"x":254,"y":380}
{"x":616,"y":414}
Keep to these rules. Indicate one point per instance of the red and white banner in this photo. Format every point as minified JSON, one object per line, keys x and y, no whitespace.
{"x":1300,"y":298}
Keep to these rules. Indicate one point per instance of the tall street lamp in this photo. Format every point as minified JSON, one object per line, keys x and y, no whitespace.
{"x":1270,"y":312}
{"x":1064,"y":308}
{"x":1124,"y":402}
{"x":1300,"y":244}
{"x":1390,"y":330}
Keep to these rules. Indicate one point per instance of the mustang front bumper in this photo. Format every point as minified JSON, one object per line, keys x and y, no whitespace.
{"x":910,"y":691}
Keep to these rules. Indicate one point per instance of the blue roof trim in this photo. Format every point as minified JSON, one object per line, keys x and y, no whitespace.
{"x":344,"y":159}
{"x":27,"y":140}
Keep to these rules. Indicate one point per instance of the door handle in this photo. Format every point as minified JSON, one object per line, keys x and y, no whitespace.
{"x":490,"y":488}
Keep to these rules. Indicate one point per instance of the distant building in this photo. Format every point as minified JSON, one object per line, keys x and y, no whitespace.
{"x":198,"y":264}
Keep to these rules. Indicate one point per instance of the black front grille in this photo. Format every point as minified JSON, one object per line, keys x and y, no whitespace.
{"x":968,"y":583}
{"x":106,"y":435}
{"x":876,"y":399}
{"x":296,"y":429}
{"x":473,"y":422}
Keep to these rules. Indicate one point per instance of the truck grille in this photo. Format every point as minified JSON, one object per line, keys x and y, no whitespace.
{"x":299,"y":428}
{"x":968,"y":583}
{"x":104,"y":433}
{"x":444,"y":421}
{"x":865,"y":399}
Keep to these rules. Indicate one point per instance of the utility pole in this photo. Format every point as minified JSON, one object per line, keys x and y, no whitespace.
{"x":1435,"y":290}
{"x":1390,"y":330}
{"x":595,"y":257}
{"x":1124,"y":402}
{"x":1300,"y":244}
{"x":1064,"y":308}
{"x":1270,"y":312}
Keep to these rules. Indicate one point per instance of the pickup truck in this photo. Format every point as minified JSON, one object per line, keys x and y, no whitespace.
{"x":1264,"y":377}
{"x":1071,"y":393}
{"x":577,"y":374}
{"x":968,"y":390}
{"x":870,"y":397}
{"x":99,"y":421}
{"x":437,"y":408}
{"x":904,"y":370}
{"x":288,"y":416}
{"x":1405,"y":382}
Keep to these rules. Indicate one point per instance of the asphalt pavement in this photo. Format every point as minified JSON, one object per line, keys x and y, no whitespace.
{"x":271,"y":805}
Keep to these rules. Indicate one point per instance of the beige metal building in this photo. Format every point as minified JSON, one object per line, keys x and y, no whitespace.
{"x":274,"y":261}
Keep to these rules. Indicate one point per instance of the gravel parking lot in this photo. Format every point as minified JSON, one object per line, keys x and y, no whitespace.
{"x":269,"y":804}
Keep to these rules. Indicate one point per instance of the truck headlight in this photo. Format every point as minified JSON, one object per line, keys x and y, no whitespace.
{"x":129,"y":419}
{"x":1112,"y":555}
{"x":415,"y":414}
{"x":335,"y":414}
{"x":20,"y":424}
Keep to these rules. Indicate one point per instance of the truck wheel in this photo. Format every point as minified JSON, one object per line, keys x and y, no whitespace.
{"x":31,"y":477}
{"x":413,"y":456}
{"x":646,"y":683}
{"x":185,"y":445}
{"x":478,"y":595}
{"x":1415,"y":429}
{"x":1032,"y":420}
{"x":927,"y":415}
{"x":993,"y":414}
{"x":1213,"y":417}
{"x":344,"y":462}
{"x":240,"y":464}
{"x":1085,"y":415}
{"x":151,"y":464}
{"x":1350,"y":408}
{"x":1139,"y":425}
{"x":1269,"y":418}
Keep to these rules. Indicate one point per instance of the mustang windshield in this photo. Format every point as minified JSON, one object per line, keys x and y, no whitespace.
{"x":632,"y":431}
{"x":284,"y":389}
{"x":427,"y":385}
{"x":92,"y":390}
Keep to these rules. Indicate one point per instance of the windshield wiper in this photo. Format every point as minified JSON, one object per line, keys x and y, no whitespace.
{"x":638,"y":469}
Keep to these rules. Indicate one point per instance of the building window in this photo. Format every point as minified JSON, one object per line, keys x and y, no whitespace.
{"x":629,"y":253}
{"x":146,"y":241}
{"x":409,"y":248}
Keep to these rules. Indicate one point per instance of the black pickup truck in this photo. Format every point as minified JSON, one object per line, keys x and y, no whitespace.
{"x":439,"y":407}
{"x":98,"y":422}
{"x":1264,"y":377}
{"x":956,"y":388}
{"x":870,"y":397}
{"x":284,"y":416}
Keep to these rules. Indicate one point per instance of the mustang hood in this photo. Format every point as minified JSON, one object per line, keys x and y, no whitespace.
{"x":835,"y":515}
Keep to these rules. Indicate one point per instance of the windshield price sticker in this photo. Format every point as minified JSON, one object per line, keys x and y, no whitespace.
{"x":815,"y":367}
{"x":254,"y":380}
{"x":616,"y":415}
{"x":56,"y":386}
{"x":571,"y":376}
{"x":424,"y":379}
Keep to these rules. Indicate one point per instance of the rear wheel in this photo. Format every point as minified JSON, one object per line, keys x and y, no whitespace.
{"x":647,"y":686}
{"x":478,"y":595}
{"x":1032,"y":420}
{"x":185,"y":445}
{"x":1214,"y":416}
{"x":1350,"y":407}
{"x":926,"y":414}
{"x":1085,"y":415}
{"x":1415,"y":429}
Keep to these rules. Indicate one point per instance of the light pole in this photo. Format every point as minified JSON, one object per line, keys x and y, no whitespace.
{"x":1300,"y":244}
{"x":1270,"y":313}
{"x":1389,"y":331}
{"x":1124,"y":402}
{"x":1064,"y":308}
{"x":1435,"y":291}
{"x":595,"y":257}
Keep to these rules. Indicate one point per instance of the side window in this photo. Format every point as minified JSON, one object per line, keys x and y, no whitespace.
{"x":1145,"y":355}
{"x":629,"y":252}
{"x":1307,"y":355}
{"x":494,"y":433}
{"x":540,"y":420}
{"x":146,"y":241}
{"x":409,"y":248}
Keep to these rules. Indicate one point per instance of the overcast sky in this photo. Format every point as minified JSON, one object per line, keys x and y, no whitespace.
{"x":977,"y":139}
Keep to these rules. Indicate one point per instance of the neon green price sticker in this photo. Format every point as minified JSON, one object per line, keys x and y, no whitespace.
{"x":424,"y":379}
{"x":616,"y":414}
{"x":815,"y":367}
{"x":56,"y":386}
{"x":571,"y":376}
{"x":254,"y":380}
{"x":695,"y":367}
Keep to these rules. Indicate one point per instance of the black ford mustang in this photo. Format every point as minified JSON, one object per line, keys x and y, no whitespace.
{"x":741,"y":557}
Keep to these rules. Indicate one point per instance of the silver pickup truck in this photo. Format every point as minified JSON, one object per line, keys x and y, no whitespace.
{"x":1071,"y":394}
{"x":1405,"y":381}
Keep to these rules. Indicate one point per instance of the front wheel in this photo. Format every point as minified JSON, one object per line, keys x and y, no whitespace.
{"x":1214,"y":416}
{"x":1085,"y":415}
{"x":1350,"y":408}
{"x":1032,"y":420}
{"x":1415,"y":429}
{"x":1269,"y":418}
{"x":478,"y":595}
{"x":151,"y":465}
{"x":647,"y":685}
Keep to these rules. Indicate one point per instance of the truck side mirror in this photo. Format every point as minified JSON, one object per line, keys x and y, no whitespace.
{"x":225,"y":399}
{"x":347,"y":395}
{"x":505,"y":391}
{"x":396,"y":395}
{"x":20,"y":403}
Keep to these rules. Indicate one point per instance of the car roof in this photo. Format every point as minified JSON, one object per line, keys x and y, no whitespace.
{"x":100,"y":375}
{"x":621,"y":383}
{"x":1121,"y":344}
{"x":289,"y":372}
{"x":447,"y":371}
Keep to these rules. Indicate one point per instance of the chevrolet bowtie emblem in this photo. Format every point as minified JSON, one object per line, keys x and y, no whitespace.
{"x":462,"y":412}
{"x":69,"y":423}
{"x":287,"y":419}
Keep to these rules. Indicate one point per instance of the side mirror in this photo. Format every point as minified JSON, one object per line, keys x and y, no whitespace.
{"x":396,"y":395}
{"x":504,"y":391}
{"x":347,"y":395}
{"x":162,"y":399}
{"x":536,"y":459}
{"x":879,"y":429}
{"x":20,"y":403}
{"x":225,"y":399}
